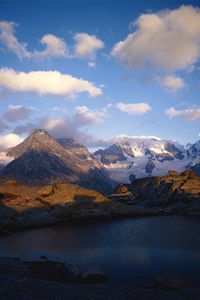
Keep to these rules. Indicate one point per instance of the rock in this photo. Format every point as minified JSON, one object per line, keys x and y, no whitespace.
{"x":170,"y":283}
{"x":45,"y":191}
{"x":168,"y":190}
{"x":173,"y":173}
{"x":43,"y":257}
{"x":60,"y":185}
{"x":150,"y":166}
{"x":8,"y":196}
{"x":132,"y":177}
{"x":93,"y":278}
{"x":189,"y":174}
{"x":11,"y":182}
{"x":121,"y":189}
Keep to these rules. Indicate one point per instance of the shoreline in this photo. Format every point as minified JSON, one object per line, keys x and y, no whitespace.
{"x":80,"y":213}
{"x":56,"y":280}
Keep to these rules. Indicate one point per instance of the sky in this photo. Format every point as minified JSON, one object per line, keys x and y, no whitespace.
{"x":96,"y":69}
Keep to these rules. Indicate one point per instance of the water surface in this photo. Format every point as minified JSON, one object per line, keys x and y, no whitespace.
{"x":128,"y":251}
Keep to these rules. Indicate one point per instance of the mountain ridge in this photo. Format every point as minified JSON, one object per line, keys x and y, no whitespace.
{"x":41,"y":159}
{"x":149,"y":157}
{"x":68,"y":160}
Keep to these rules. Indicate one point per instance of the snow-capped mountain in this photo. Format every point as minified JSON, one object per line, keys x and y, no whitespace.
{"x":42,"y":157}
{"x":193,"y":153}
{"x":141,"y":157}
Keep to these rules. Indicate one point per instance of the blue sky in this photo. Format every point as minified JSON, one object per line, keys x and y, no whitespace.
{"x":100,"y":68}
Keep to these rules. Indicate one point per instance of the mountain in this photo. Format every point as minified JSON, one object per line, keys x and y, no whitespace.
{"x":80,"y":151}
{"x":41,"y":159}
{"x":115,"y":153}
{"x":193,"y":153}
{"x":142,"y":157}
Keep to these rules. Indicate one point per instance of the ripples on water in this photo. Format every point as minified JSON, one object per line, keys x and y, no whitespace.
{"x":129,"y":251}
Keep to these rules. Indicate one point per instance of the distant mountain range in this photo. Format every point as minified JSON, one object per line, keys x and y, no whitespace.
{"x":143,"y":157}
{"x":42,"y":159}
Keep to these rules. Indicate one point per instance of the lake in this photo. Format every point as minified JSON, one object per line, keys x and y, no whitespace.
{"x":129,"y":251}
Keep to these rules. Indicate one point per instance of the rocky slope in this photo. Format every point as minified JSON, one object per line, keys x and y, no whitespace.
{"x":142,"y":157}
{"x":41,"y":159}
{"x":173,"y":193}
{"x":23,"y":206}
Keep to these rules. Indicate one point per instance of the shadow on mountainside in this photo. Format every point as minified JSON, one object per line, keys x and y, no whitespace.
{"x":38,"y":168}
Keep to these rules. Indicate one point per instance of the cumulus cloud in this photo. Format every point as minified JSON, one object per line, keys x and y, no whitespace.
{"x":9,"y":40}
{"x":54,"y":46}
{"x":172,"y":83}
{"x":168,"y":40}
{"x":190,"y":114}
{"x":17,"y":113}
{"x":9,"y":140}
{"x":46,"y":82}
{"x":84,"y":115}
{"x":86,"y":45}
{"x":134,"y":108}
{"x":67,"y":126}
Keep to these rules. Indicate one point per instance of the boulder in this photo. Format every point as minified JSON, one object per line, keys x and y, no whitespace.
{"x":11,"y":182}
{"x":173,"y":173}
{"x":45,"y":191}
{"x":8,"y":196}
{"x":189,"y":174}
{"x":121,"y":189}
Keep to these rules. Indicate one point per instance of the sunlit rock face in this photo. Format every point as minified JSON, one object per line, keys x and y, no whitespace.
{"x":181,"y":191}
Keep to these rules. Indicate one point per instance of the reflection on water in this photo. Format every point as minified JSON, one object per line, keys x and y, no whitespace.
{"x":127,"y":250}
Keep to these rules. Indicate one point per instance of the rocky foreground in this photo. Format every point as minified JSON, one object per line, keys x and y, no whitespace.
{"x":23,"y":206}
{"x":52,"y":280}
{"x":172,"y":193}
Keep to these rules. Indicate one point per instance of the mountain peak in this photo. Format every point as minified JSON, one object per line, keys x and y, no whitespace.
{"x":39,"y":140}
{"x":39,"y":131}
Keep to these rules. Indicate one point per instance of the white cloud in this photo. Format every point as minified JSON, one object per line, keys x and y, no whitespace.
{"x":92,"y":64}
{"x":52,"y":124}
{"x":134,"y":108}
{"x":190,"y":114}
{"x":86,"y":116}
{"x":87,"y":45}
{"x":9,"y":140}
{"x":8,"y":39}
{"x":172,"y":83}
{"x":46,"y":82}
{"x":67,"y":126}
{"x":168,"y":40}
{"x":54,"y":46}
{"x":17,"y":113}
